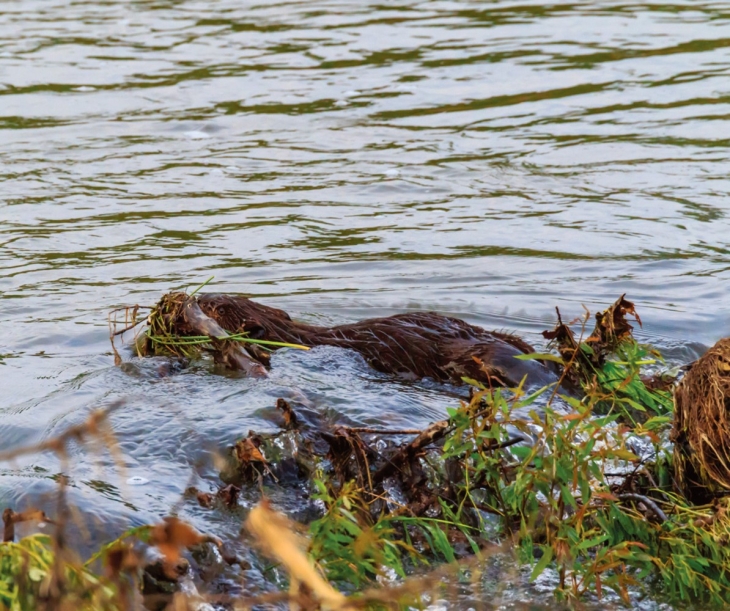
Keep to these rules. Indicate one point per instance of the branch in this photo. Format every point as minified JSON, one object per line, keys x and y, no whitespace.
{"x":649,"y":503}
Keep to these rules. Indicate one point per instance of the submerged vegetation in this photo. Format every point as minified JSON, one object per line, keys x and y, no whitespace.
{"x":578,"y":477}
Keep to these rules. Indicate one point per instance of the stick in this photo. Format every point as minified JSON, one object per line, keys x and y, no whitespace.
{"x":640,"y":498}
{"x":369,"y":431}
{"x":432,"y":434}
{"x":227,"y":352}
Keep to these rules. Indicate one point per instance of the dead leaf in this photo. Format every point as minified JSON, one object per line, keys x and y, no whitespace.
{"x":10,"y":518}
{"x":121,"y":558}
{"x":276,"y":536}
{"x":171,"y":537}
{"x":290,"y":418}
{"x":229,"y":495}
{"x":247,"y":452}
{"x":606,"y":496}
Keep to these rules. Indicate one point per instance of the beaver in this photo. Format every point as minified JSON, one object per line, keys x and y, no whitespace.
{"x":413,"y":346}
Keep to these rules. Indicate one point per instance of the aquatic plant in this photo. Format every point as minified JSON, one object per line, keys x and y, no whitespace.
{"x":30,"y":575}
{"x":38,"y":572}
{"x":170,"y":332}
{"x":550,"y":492}
{"x":177,"y":326}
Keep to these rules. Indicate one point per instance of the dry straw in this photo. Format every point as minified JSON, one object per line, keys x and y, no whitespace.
{"x":702,"y":426}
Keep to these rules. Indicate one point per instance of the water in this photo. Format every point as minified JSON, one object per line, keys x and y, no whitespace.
{"x":491,"y":160}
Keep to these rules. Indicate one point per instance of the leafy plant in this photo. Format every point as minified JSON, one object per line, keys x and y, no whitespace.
{"x":31,"y":575}
{"x":545,"y":491}
{"x":619,"y":384}
{"x":352,"y":548}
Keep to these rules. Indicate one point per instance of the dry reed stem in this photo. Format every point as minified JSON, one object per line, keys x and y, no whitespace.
{"x":275,"y":535}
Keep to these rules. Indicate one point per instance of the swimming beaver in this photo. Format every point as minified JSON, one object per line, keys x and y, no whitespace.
{"x":416,"y":345}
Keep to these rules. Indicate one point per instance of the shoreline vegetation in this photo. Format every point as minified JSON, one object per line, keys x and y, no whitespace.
{"x":618,"y":484}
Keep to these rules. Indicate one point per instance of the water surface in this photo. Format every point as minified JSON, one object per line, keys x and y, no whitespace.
{"x":490,"y":160}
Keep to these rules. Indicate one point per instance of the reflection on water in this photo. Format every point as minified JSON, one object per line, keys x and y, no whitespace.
{"x":341,"y":160}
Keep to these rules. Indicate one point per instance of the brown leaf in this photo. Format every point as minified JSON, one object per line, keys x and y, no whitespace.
{"x":606,"y":496}
{"x":276,"y":536}
{"x":172,"y":536}
{"x":10,"y":518}
{"x":247,"y":451}
{"x":204,"y":499}
{"x":611,"y":325}
{"x":290,"y":418}
{"x":229,"y":495}
{"x":610,"y":331}
{"x":121,"y":558}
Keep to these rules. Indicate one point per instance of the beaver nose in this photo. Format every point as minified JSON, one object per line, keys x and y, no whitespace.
{"x":255,"y":330}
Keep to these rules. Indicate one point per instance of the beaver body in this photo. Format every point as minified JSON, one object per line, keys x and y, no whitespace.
{"x":415,"y":345}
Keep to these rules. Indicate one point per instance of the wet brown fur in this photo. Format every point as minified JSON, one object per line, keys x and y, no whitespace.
{"x":415,"y":345}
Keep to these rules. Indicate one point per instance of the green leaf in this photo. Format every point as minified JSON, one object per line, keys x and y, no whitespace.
{"x":472,"y":382}
{"x":634,"y":404}
{"x":36,"y":574}
{"x":547,"y":556}
{"x":625,"y":455}
{"x":540,"y":356}
{"x":588,"y":543}
{"x":656,"y":422}
{"x":531,"y":398}
{"x":521,"y":452}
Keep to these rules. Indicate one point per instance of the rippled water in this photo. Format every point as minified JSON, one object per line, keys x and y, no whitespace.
{"x":490,"y":160}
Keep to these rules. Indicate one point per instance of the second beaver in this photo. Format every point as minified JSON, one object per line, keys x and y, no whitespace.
{"x":415,"y":345}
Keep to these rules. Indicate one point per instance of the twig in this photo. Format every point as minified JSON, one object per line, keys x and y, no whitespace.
{"x":506,"y":444}
{"x":649,"y":503}
{"x":574,"y":356}
{"x":435,"y":432}
{"x":58,"y":444}
{"x":369,"y":431}
{"x":130,"y":327}
{"x":201,"y":286}
{"x":226,"y":352}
